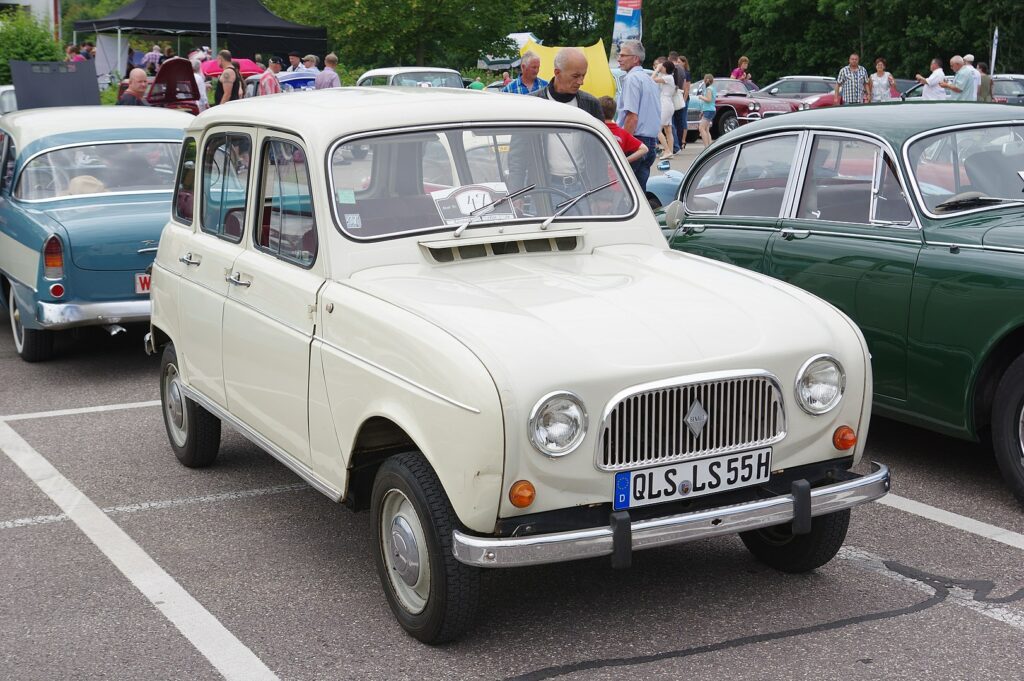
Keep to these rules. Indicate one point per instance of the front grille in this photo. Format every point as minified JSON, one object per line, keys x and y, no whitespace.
{"x":650,"y":425}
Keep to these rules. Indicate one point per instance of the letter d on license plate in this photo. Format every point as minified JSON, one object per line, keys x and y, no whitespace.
{"x":691,"y":478}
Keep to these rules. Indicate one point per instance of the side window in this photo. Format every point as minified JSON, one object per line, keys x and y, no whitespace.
{"x":705,"y":191}
{"x":759,"y":181}
{"x":287,"y":228}
{"x":184,"y":193}
{"x":226,"y":160}
{"x":837,"y":186}
{"x":3,"y":160}
{"x":817,"y":87}
{"x":786,"y":87}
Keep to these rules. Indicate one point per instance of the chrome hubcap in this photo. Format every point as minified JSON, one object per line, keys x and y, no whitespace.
{"x":16,"y":328}
{"x":174,"y":406}
{"x":404,"y":551}
{"x":1020,"y":434}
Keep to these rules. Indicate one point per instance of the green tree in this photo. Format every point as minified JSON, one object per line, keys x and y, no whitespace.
{"x":22,"y":38}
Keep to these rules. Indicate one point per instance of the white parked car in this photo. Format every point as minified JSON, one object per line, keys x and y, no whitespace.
{"x":411,"y":76}
{"x":478,"y":333}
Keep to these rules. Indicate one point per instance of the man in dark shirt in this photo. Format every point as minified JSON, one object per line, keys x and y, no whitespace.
{"x":135,"y":95}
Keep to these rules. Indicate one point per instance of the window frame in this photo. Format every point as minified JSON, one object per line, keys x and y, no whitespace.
{"x":177,"y":181}
{"x":210,"y":136}
{"x":265,"y":142}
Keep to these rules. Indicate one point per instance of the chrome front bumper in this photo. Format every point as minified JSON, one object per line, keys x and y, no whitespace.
{"x":558,"y":547}
{"x":68,"y":315}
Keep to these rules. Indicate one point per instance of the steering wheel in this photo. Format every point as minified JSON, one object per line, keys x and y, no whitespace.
{"x":531,"y":212}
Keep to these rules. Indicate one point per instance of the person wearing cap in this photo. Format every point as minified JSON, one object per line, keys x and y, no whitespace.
{"x":328,"y":78}
{"x":975,"y":74}
{"x":309,"y":63}
{"x":294,"y":62}
{"x":269,"y":84}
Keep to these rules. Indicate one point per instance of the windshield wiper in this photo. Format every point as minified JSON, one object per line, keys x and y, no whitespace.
{"x":974,"y":201}
{"x":566,"y":205}
{"x":477,"y":212}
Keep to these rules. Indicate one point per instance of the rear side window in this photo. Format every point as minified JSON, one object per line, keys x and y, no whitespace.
{"x":287,"y":227}
{"x":705,"y":192}
{"x":759,"y":181}
{"x":226,"y":159}
{"x":184,"y":193}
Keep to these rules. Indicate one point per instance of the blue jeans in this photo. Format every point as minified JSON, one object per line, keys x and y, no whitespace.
{"x":679,"y":128}
{"x":642,"y":168}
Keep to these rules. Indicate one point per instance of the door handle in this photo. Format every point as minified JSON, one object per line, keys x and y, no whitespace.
{"x":187,"y":259}
{"x":790,"y":234}
{"x":236,"y":279}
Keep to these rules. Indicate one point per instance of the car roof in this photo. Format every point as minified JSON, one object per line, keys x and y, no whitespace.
{"x":393,"y":70}
{"x":31,"y":125}
{"x":1008,"y":76}
{"x":322,"y":116}
{"x":895,"y":122}
{"x":806,"y":78}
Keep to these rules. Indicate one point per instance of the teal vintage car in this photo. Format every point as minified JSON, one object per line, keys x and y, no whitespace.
{"x":84,"y":194}
{"x":908,"y":218}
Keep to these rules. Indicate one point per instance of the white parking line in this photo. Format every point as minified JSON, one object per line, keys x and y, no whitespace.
{"x":960,"y":522}
{"x":157,"y":505}
{"x":80,"y":410}
{"x":218,"y":645}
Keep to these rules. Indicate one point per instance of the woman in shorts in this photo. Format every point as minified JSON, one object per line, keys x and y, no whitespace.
{"x":707,"y":107}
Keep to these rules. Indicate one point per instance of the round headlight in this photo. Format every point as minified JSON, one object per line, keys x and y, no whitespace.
{"x":557,"y":424}
{"x":820,"y":384}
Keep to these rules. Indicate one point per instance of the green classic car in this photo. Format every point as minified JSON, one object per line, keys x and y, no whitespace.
{"x":908,"y":218}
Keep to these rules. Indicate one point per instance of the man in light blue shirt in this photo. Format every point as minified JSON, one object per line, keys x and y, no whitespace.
{"x":962,"y":87}
{"x":639,"y":106}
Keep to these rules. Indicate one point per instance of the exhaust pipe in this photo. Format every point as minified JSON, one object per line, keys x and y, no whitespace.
{"x":113,"y":329}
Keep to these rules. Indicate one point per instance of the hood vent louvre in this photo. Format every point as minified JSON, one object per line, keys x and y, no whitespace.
{"x":445,"y":253}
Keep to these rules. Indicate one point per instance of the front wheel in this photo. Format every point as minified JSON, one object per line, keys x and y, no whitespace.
{"x":194,"y":433}
{"x":432,"y":595}
{"x":32,"y":345}
{"x":1008,"y":427}
{"x":779,"y":548}
{"x":727,"y":122}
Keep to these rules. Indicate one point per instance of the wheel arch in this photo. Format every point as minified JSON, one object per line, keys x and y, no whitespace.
{"x":996,"y":361}
{"x":377,"y":439}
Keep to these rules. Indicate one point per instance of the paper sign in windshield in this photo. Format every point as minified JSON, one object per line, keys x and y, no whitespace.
{"x":455,"y":205}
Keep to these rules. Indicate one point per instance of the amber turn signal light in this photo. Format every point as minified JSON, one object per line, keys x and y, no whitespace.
{"x":844,"y":438}
{"x":522,"y":493}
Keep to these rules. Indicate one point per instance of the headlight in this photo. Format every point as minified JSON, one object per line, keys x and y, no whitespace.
{"x":820,"y":384}
{"x":754,"y":106}
{"x":557,"y":424}
{"x":804,"y":106}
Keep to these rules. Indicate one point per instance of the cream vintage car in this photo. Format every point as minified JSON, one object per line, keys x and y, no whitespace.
{"x":478,"y":333}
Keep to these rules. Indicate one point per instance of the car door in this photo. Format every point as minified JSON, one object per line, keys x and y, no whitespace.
{"x":269,"y":316}
{"x":210,"y":253}
{"x":850,"y":237}
{"x":754,"y":179}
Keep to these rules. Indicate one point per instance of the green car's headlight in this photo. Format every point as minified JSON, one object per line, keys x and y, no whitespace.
{"x":558,"y":423}
{"x":820,"y":384}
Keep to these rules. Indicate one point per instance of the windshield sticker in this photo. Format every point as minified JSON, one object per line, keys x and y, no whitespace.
{"x":458,"y":203}
{"x":353,"y":221}
{"x":345,"y":195}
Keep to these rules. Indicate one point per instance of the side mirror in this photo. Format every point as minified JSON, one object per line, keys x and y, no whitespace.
{"x":664,"y":165}
{"x":674,"y":215}
{"x":774,"y":91}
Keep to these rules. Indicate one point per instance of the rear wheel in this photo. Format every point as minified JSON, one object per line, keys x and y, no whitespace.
{"x":779,"y":548}
{"x":432,"y":595}
{"x":194,"y":433}
{"x":1008,"y":427}
{"x":32,"y":345}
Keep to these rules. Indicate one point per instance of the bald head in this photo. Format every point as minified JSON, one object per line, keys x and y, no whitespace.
{"x":570,"y":70}
{"x":137,"y":82}
{"x":956,"y":63}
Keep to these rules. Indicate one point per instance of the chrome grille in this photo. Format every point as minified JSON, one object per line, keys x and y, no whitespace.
{"x":649,"y":424}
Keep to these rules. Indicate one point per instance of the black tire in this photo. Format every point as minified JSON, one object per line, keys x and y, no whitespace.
{"x":32,"y":345}
{"x":779,"y":548}
{"x":193,"y":432}
{"x":440,"y":603}
{"x":1008,"y":427}
{"x":727,"y":122}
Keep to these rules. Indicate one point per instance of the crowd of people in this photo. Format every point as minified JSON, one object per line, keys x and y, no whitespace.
{"x":969,"y":83}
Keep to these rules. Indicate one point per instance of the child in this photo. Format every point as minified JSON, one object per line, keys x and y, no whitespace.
{"x":633,"y":148}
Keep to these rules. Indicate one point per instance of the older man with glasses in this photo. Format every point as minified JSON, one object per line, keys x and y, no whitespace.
{"x":639,"y":106}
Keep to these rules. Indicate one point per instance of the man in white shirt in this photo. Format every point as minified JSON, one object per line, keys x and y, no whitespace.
{"x":975,"y":74}
{"x":932,"y":88}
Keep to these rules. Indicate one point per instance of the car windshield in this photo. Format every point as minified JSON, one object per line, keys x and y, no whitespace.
{"x":403,"y":183}
{"x":428,"y":79}
{"x":958,"y":167}
{"x":99,"y":169}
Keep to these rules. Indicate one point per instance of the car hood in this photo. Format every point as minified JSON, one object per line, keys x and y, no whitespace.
{"x":622,"y":314}
{"x":108,"y":234}
{"x":174,"y":82}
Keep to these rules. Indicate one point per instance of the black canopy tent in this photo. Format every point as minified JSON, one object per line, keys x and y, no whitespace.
{"x":246,"y":25}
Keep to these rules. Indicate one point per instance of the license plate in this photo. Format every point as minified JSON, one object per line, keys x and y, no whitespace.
{"x":692,"y":478}
{"x":142,"y":282}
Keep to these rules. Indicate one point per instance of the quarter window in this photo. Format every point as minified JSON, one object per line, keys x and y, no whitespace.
{"x":759,"y":182}
{"x":287,"y":227}
{"x":226,"y":159}
{"x":7,"y":170}
{"x":184,"y":194}
{"x":705,"y":192}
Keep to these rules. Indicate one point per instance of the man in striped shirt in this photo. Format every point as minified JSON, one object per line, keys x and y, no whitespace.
{"x":527,"y":81}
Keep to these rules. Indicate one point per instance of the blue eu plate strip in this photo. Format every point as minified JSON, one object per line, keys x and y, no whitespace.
{"x":621,"y":500}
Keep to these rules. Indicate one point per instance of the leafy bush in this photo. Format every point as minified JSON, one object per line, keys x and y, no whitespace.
{"x":22,"y":38}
